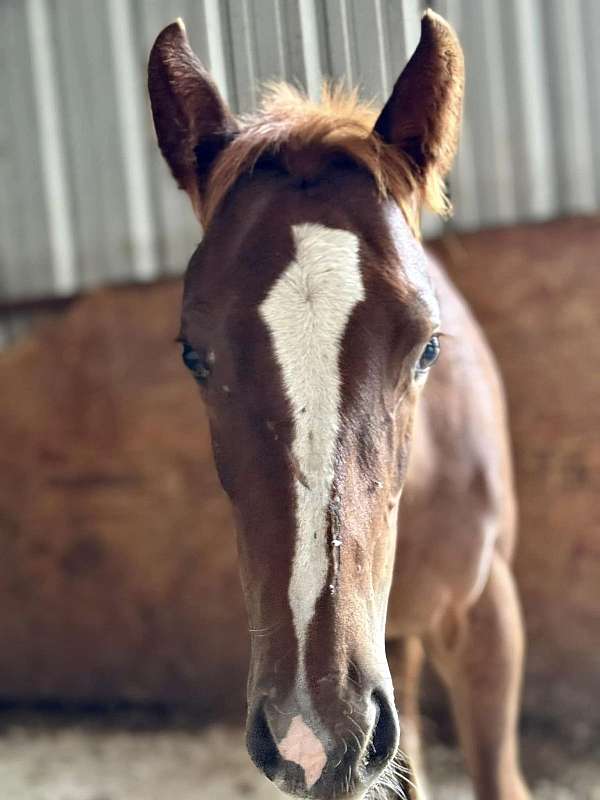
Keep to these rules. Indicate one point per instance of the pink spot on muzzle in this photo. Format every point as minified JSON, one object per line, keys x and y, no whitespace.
{"x":301,"y":746}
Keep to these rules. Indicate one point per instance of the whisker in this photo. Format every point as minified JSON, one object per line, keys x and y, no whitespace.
{"x":352,"y":665}
{"x":356,"y":739}
{"x":343,"y":754}
{"x":356,"y":725}
{"x":394,"y":780}
{"x":403,"y":768}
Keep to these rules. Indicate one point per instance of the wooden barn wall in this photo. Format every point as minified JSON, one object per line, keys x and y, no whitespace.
{"x":85,"y":199}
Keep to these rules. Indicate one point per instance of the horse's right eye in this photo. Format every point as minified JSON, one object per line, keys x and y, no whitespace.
{"x":198,"y":366}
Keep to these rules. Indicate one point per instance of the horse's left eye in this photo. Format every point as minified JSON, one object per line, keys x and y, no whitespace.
{"x":199,"y":367}
{"x":429,"y":355}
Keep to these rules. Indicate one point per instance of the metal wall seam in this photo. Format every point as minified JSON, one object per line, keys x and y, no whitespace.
{"x":591,"y":37}
{"x":25,"y":259}
{"x":87,"y":104}
{"x":356,"y":30}
{"x":405,"y":21}
{"x":338,"y":42}
{"x":216,"y":45}
{"x":530,"y":139}
{"x":129,"y":90}
{"x":53,"y":160}
{"x":463,"y":181}
{"x":486,"y":107}
{"x":569,"y":93}
{"x":244,"y":62}
{"x":311,"y":47}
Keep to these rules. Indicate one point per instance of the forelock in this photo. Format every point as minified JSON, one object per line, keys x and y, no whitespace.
{"x":287,"y":121}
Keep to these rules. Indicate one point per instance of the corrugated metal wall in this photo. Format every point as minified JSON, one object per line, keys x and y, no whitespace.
{"x":531,"y":136}
{"x":86,"y":200}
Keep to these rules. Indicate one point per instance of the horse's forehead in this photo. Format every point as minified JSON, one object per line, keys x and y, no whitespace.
{"x":237,"y":270}
{"x":328,"y":259}
{"x":307,"y":311}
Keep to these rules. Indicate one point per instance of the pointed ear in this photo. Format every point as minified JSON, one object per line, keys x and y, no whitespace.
{"x":192,"y":121}
{"x":422,"y":116}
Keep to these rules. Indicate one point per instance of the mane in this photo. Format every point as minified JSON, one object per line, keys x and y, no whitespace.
{"x":287,"y":121}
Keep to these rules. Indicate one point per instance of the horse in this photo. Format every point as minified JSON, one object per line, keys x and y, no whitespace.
{"x":312,"y":320}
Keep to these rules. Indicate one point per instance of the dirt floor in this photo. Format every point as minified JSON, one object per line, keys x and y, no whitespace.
{"x":141,"y":757}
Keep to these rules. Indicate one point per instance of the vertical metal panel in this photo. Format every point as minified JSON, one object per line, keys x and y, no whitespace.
{"x":591,"y":50}
{"x":129,"y":110}
{"x":569,"y":97}
{"x":486,"y":111}
{"x":210,"y":25}
{"x":274,"y":40}
{"x":85,"y":198}
{"x":529,"y":121}
{"x":88,"y":105}
{"x":370,"y":42}
{"x":53,"y":173}
{"x":503,"y":171}
{"x":402,"y":21}
{"x":24,"y":242}
{"x":310,"y":37}
{"x":530,"y":146}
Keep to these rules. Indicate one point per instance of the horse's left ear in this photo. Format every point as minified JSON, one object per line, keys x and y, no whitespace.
{"x":192,"y":121}
{"x":422,"y":116}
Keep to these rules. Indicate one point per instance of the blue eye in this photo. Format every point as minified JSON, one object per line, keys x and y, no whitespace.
{"x":198,"y":366}
{"x":429,"y":355}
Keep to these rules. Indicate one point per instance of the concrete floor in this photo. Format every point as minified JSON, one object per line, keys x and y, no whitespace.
{"x":129,"y":757}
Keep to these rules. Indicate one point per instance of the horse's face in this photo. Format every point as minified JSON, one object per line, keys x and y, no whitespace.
{"x":312,"y":341}
{"x":310,"y":325}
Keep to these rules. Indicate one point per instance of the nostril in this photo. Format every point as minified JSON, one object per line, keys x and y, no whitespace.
{"x":384,"y":739}
{"x":261,"y":745}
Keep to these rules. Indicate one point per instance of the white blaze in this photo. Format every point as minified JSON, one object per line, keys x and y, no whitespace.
{"x":307,"y":312}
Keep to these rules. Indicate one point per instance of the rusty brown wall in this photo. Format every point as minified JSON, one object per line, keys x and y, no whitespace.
{"x":118,"y":576}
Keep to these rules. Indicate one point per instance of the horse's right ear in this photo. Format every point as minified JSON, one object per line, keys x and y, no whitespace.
{"x":192,"y":121}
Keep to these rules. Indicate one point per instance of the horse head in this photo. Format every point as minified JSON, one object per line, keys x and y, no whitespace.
{"x":310,"y":324}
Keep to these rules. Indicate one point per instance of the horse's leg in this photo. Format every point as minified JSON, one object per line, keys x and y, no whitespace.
{"x":405,"y":657}
{"x":479,"y":656}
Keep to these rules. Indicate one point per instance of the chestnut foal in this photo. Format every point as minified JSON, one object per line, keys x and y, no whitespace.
{"x":312,"y":318}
